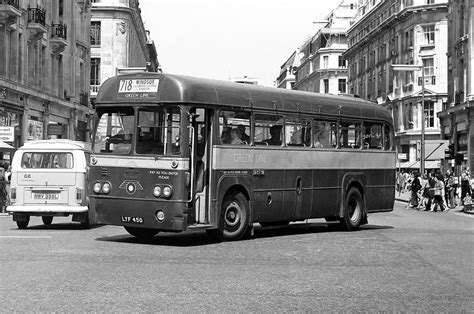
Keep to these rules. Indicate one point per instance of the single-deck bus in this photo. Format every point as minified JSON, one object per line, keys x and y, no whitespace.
{"x":173,"y":153}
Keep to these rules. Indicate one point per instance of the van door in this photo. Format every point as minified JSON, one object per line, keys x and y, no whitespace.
{"x":200,"y":160}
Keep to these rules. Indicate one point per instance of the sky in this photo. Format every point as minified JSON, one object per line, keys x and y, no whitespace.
{"x":222,"y":39}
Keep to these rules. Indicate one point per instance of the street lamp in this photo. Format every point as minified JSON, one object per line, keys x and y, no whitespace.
{"x":413,"y":67}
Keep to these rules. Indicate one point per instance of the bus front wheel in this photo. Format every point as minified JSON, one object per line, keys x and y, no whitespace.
{"x":353,"y":210}
{"x":143,"y":234}
{"x":234,"y":219}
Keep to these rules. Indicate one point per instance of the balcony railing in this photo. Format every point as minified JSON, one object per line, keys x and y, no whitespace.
{"x":59,"y":30}
{"x":94,"y":90}
{"x":14,"y":3}
{"x":37,"y":15}
{"x":429,"y":80}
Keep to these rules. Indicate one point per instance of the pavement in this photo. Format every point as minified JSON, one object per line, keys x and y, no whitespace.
{"x":405,"y":197}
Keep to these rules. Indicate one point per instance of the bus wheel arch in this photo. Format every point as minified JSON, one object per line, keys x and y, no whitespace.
{"x":353,"y":212}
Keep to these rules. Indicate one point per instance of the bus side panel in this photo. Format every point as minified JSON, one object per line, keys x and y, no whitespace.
{"x":297,"y":195}
{"x":268,"y":196}
{"x":326,"y":193}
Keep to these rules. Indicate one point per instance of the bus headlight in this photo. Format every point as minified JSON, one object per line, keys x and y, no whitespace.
{"x":167,"y":191}
{"x":106,"y":188}
{"x":157,"y":191}
{"x":97,"y":187}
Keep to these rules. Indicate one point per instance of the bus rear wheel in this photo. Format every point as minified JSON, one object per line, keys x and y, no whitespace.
{"x":353,"y":210}
{"x":47,"y":220}
{"x":143,"y":234}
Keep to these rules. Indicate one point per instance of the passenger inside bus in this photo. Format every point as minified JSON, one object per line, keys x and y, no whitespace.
{"x":225,"y":135}
{"x":243,"y":136}
{"x":235,"y":135}
{"x":275,"y":133}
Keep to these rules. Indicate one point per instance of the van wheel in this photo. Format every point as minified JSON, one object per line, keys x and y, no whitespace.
{"x":47,"y":220}
{"x":143,"y":234}
{"x":353,"y":210}
{"x":23,"y":224}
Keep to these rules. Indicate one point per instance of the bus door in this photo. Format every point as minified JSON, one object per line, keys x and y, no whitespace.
{"x":200,"y":162}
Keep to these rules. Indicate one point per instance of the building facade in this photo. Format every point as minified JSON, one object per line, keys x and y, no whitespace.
{"x":287,"y":77}
{"x":409,"y":32}
{"x":457,"y":118}
{"x":119,"y":41}
{"x":322,"y":67}
{"x":44,"y":70}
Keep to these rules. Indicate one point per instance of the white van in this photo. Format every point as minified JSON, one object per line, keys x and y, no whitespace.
{"x":49,"y":179}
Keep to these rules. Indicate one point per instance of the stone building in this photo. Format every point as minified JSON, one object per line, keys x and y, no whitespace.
{"x":119,"y":41}
{"x":44,"y":70}
{"x":388,"y":32}
{"x":457,"y":118}
{"x":322,"y":67}
{"x":287,"y":78}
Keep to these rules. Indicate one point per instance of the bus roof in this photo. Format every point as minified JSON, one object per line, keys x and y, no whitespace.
{"x":55,"y":144}
{"x":184,"y":89}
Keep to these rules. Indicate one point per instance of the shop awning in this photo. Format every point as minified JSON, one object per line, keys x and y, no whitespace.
{"x":5,"y":146}
{"x":429,"y":164}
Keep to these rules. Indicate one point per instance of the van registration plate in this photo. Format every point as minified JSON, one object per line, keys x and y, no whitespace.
{"x":46,"y":196}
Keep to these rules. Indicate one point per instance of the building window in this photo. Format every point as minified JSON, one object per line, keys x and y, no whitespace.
{"x":95,"y":33}
{"x":325,"y":62}
{"x":429,"y":34}
{"x":429,"y":114}
{"x":95,"y":71}
{"x":428,"y":66}
{"x":326,"y":86}
{"x":342,"y":62}
{"x":342,"y":86}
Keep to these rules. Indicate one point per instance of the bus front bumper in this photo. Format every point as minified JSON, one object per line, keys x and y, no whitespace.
{"x":139,"y":213}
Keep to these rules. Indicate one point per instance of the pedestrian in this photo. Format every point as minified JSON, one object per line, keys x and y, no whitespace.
{"x":429,"y":191}
{"x":439,"y":194}
{"x":415,"y":187}
{"x":449,"y":189}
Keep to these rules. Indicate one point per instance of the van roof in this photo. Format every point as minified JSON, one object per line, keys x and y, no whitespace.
{"x":57,"y":144}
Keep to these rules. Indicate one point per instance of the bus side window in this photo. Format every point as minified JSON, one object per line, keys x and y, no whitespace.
{"x":373,"y":136}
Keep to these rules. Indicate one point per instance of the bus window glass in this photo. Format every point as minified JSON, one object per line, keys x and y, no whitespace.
{"x":372,"y":135}
{"x":297,"y":132}
{"x":158,"y":131}
{"x":114,"y":131}
{"x":234,"y":127}
{"x":44,"y":160}
{"x":324,"y":134}
{"x":387,"y":143}
{"x":349,"y":136}
{"x":268,"y":130}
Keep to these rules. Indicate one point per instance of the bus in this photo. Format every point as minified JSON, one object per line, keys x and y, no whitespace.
{"x":173,"y":153}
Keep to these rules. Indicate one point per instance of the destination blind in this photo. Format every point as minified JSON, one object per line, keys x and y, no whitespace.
{"x":138,"y":88}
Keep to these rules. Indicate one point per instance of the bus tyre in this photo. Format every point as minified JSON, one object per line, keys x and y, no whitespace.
{"x":47,"y":220}
{"x":235,"y":217}
{"x":353,"y":210}
{"x":143,"y":234}
{"x":23,"y":224}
